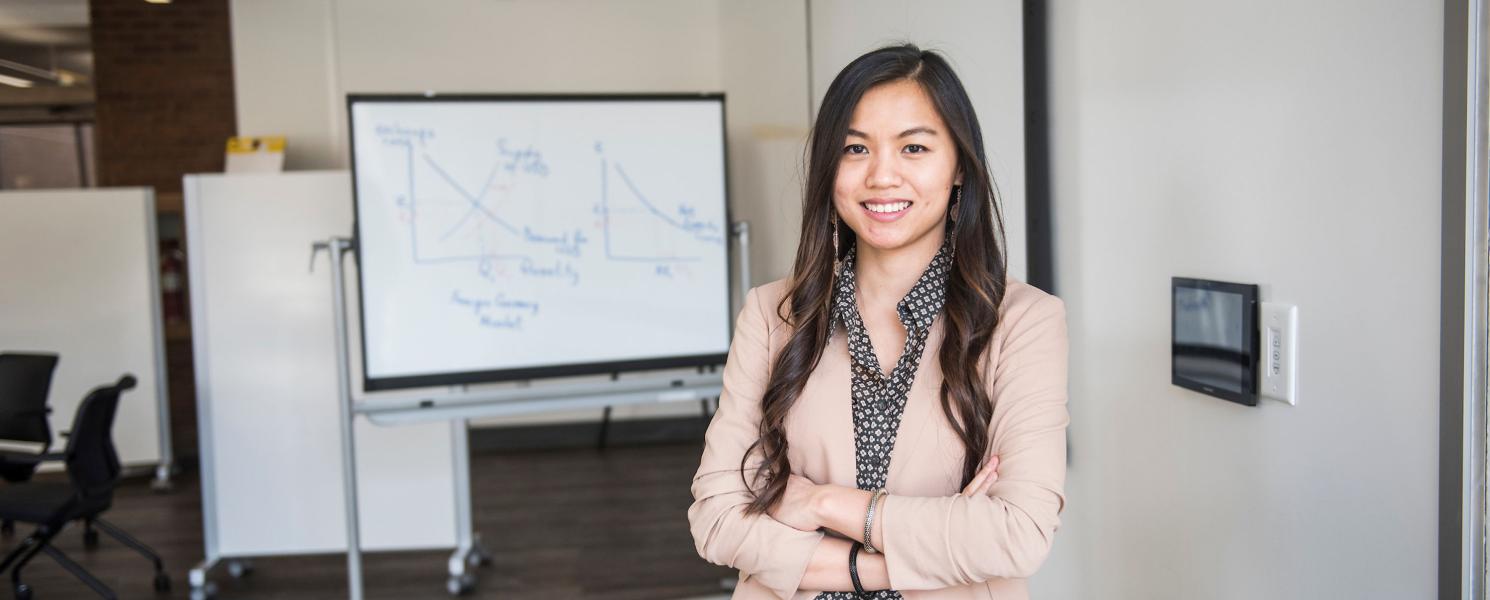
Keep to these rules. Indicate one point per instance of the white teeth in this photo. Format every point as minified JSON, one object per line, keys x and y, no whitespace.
{"x":888,"y":208}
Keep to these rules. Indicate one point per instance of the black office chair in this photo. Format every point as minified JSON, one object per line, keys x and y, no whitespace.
{"x":92,"y":471}
{"x":25,"y":381}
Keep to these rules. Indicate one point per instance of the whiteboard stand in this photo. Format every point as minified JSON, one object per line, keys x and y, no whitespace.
{"x":741,"y":229}
{"x":469,"y":552}
{"x":338,"y":247}
{"x":458,"y":409}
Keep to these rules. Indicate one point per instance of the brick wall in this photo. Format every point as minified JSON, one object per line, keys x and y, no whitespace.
{"x":164,"y":76}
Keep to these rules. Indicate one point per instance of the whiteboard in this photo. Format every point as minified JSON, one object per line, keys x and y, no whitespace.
{"x":80,"y":279}
{"x":515,"y":237}
{"x":264,"y":346}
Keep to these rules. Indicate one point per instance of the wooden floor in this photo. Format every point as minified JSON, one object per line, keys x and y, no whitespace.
{"x":560,"y":524}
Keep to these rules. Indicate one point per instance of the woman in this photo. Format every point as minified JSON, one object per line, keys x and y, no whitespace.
{"x":899,"y":263}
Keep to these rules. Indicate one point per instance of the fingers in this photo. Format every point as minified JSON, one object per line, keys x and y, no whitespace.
{"x":983,"y":481}
{"x":993,"y":475}
{"x":972,"y":486}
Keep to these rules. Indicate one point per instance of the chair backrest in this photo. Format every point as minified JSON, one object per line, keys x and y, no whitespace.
{"x":92,"y":463}
{"x":25,"y":381}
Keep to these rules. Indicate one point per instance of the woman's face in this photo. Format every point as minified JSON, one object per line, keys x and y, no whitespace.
{"x":897,"y":169}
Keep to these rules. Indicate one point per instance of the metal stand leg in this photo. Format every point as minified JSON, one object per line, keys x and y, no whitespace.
{"x":201,"y":587}
{"x":162,"y":481}
{"x":741,"y":229}
{"x":604,"y":429}
{"x":469,"y":552}
{"x":338,"y":247}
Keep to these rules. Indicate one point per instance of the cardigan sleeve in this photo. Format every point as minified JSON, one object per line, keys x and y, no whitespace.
{"x":939,"y":542}
{"x":773,"y":553}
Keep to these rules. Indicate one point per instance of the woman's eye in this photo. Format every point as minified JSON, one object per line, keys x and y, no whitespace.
{"x":915,"y":148}
{"x":855,"y":149}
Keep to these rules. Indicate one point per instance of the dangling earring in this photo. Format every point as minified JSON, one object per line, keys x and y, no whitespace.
{"x":951,"y":214}
{"x":834,"y":220}
{"x":952,"y":209}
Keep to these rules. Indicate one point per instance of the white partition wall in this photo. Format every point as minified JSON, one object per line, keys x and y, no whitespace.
{"x":267,"y":382}
{"x":80,"y":275}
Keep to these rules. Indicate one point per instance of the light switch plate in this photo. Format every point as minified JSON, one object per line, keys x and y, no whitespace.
{"x":1280,"y":330}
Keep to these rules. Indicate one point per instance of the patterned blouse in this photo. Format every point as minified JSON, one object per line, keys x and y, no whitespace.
{"x":879,"y":399}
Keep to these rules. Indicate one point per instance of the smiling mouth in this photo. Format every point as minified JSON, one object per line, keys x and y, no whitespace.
{"x":886,"y":210}
{"x":886,"y":207}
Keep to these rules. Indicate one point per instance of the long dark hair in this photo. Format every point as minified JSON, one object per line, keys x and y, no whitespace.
{"x":975,"y":288}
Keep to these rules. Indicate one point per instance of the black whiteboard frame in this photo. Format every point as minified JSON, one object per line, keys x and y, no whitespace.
{"x":371,"y":384}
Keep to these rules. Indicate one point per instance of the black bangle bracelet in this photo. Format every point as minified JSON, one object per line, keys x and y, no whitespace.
{"x":853,"y":568}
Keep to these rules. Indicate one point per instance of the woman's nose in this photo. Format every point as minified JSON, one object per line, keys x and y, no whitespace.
{"x":883,"y":173}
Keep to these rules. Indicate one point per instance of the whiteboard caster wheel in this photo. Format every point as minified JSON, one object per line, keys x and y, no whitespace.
{"x":479,"y":554}
{"x":460,"y":585}
{"x":237,"y":569}
{"x":206,"y":592}
{"x":162,"y":482}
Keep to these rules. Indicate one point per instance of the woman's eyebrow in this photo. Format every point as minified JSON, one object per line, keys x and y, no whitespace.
{"x":909,"y":132}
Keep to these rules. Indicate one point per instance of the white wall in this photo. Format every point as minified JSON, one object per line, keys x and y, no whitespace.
{"x":294,"y":60}
{"x":285,"y":80}
{"x":1294,"y":145}
{"x":763,"y":62}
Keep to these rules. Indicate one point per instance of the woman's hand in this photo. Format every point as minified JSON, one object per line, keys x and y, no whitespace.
{"x":797,"y":505}
{"x":983,"y":481}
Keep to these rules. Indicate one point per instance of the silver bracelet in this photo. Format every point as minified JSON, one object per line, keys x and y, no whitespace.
{"x":869,"y":521}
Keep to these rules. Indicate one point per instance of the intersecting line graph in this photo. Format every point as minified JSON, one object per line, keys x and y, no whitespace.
{"x":633,"y":227}
{"x":494,"y":232}
{"x":502,"y":220}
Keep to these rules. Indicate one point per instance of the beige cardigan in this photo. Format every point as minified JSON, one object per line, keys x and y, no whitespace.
{"x":937,"y":545}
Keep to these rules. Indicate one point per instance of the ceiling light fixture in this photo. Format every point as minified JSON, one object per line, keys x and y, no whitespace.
{"x":16,"y":81}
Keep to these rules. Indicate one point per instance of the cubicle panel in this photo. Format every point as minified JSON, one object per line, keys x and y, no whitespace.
{"x":80,"y":279}
{"x":267,"y":382}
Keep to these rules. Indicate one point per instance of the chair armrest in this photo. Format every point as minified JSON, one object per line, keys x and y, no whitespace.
{"x":31,"y":459}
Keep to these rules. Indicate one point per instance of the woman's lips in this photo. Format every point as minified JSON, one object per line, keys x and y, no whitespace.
{"x":886,"y":211}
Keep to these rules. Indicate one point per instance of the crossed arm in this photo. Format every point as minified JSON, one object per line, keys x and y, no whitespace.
{"x":1004,"y":529}
{"x":808,"y":506}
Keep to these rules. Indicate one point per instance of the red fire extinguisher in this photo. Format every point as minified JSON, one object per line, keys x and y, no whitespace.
{"x":172,"y":281}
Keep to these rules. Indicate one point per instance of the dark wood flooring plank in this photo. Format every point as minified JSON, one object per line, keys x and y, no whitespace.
{"x":582,"y":524}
